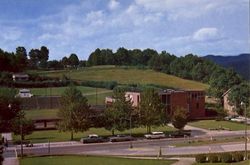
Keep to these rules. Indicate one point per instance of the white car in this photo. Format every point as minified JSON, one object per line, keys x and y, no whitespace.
{"x":155,"y":135}
{"x":24,"y":93}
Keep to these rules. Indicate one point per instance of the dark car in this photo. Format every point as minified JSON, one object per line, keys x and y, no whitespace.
{"x":28,"y":143}
{"x":180,"y":134}
{"x":120,"y":138}
{"x":93,"y":138}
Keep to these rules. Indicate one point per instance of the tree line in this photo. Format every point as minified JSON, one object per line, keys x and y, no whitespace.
{"x":20,"y":60}
{"x":189,"y":67}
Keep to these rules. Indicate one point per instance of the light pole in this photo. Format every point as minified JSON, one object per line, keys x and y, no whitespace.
{"x":21,"y":132}
{"x":245,"y":113}
{"x":130,"y":124}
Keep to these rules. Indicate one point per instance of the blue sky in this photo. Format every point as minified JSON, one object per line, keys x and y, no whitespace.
{"x":80,"y":26}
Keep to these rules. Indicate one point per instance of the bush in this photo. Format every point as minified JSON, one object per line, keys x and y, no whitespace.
{"x":201,"y":158}
{"x":237,"y":156}
{"x":1,"y":159}
{"x":226,"y":158}
{"x":213,"y":158}
{"x":100,"y":84}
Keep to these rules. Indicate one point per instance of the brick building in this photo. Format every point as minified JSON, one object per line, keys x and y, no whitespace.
{"x":191,"y":100}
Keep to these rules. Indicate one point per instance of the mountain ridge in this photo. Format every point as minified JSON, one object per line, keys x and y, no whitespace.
{"x":239,"y":63}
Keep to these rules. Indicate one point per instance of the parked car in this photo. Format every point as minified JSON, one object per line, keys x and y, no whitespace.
{"x":92,"y":138}
{"x":28,"y":144}
{"x":120,"y":138}
{"x":155,"y":135}
{"x":179,"y":134}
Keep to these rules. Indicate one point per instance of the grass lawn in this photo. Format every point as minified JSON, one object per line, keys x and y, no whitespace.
{"x":128,"y":76}
{"x":57,"y":91}
{"x":41,"y":113}
{"x":55,"y":135}
{"x":89,"y":160}
{"x":213,"y":124}
{"x":238,"y":163}
{"x":206,"y":142}
{"x":100,"y":98}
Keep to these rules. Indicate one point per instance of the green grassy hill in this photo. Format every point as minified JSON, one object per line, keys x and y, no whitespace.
{"x":127,"y":76}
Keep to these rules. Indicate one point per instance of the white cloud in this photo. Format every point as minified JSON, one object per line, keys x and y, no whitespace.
{"x":10,"y":33}
{"x":183,"y":9}
{"x":170,"y":25}
{"x":113,"y":4}
{"x":206,"y":34}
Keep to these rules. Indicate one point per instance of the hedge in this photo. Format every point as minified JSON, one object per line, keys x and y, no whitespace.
{"x":100,"y":84}
{"x":226,"y":157}
{"x":220,"y":157}
{"x":201,"y":158}
{"x":213,"y":158}
{"x":237,"y":156}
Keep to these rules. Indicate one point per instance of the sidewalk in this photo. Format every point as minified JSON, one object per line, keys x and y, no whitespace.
{"x":11,"y":161}
{"x":183,"y":161}
{"x":7,"y":136}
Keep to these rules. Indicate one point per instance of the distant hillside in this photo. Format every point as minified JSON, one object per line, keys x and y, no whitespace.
{"x":128,"y":76}
{"x":240,"y":63}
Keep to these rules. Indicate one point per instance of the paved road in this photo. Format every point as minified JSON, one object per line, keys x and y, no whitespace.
{"x":140,"y":147}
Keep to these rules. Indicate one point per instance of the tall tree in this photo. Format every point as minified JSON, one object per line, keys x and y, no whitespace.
{"x":94,"y":58}
{"x":151,"y":110}
{"x":1,"y":151}
{"x":122,"y":57}
{"x":240,"y":93}
{"x":21,"y":58}
{"x":34,"y":55}
{"x":179,"y":118}
{"x":74,"y":111}
{"x":22,"y":126}
{"x":65,"y":61}
{"x":119,"y":113}
{"x":221,"y":80}
{"x":73,"y":60}
{"x":43,"y":57}
{"x":9,"y":108}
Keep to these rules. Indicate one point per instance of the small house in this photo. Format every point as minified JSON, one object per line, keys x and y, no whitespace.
{"x":20,"y":77}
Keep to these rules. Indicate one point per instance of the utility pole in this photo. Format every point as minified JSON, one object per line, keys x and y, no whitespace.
{"x":48,"y":147}
{"x":130,"y":127}
{"x":96,"y":96}
{"x":21,"y":132}
{"x":245,"y":114}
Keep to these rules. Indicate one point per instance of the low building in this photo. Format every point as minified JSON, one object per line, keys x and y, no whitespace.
{"x":230,"y":109}
{"x":20,"y":77}
{"x":191,"y":100}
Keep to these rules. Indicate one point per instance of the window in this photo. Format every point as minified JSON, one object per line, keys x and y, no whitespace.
{"x":164,"y":99}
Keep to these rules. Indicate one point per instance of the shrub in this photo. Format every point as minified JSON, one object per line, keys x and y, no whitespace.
{"x":1,"y":159}
{"x":100,"y":84}
{"x":226,"y":158}
{"x":201,"y":158}
{"x":237,"y":156}
{"x":213,"y":158}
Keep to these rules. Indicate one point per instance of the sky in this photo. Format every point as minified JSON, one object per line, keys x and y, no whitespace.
{"x":179,"y":27}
